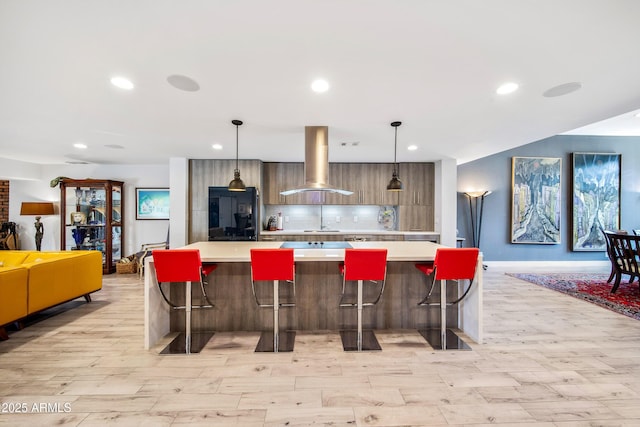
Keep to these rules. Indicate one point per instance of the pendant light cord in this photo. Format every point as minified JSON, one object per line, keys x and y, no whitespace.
{"x":237,"y":147}
{"x":395,"y":149}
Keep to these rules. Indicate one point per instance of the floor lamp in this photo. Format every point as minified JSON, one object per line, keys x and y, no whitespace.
{"x":476,"y":204}
{"x":38,"y":209}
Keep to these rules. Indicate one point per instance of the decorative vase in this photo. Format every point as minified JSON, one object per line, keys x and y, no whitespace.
{"x":78,"y":235}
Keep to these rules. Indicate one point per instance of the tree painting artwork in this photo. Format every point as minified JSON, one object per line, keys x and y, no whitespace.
{"x":536,"y":200}
{"x":596,"y":199}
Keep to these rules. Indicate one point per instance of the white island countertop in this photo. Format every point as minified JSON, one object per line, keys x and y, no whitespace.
{"x":240,"y":251}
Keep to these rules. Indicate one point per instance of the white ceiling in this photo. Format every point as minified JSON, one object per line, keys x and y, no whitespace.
{"x":434,"y":65}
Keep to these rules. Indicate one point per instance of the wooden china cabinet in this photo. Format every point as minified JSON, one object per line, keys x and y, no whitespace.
{"x":91,"y":218}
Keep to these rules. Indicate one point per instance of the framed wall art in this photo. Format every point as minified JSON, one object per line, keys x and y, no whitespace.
{"x":536,"y":200}
{"x":596,"y":198}
{"x":152,"y":203}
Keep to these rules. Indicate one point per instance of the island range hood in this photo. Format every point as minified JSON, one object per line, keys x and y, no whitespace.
{"x":316,"y":162}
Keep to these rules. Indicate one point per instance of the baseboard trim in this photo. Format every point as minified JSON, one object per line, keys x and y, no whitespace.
{"x":523,"y":265}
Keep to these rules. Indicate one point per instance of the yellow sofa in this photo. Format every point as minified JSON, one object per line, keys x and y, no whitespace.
{"x":32,"y":281}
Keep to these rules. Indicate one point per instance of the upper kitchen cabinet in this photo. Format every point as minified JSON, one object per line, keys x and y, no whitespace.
{"x":416,"y":210}
{"x":418,"y":180}
{"x":368,"y":181}
{"x":337,"y":172}
{"x":279,"y":177}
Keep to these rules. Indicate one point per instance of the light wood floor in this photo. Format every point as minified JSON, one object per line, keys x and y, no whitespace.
{"x":548,"y":360}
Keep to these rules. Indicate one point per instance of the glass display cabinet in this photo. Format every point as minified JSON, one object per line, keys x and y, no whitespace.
{"x":91,"y":218}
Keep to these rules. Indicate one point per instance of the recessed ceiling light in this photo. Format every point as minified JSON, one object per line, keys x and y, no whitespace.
{"x":507,"y":88}
{"x":122,"y":83}
{"x":216,"y":147}
{"x":319,"y":86}
{"x":115,"y":146}
{"x":80,"y":145}
{"x":412,"y":147}
{"x":563,"y":89}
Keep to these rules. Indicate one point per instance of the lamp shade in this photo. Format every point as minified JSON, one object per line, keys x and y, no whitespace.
{"x":36,"y":208}
{"x":395,"y":184}
{"x":476,"y":194}
{"x":236,"y":184}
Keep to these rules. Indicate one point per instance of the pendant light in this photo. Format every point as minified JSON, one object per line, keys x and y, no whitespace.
{"x":395,"y":184}
{"x":236,"y":184}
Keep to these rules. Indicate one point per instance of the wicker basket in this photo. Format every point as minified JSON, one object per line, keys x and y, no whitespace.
{"x":126,"y":267}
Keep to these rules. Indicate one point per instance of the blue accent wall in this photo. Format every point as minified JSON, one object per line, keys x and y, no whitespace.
{"x":494,"y":173}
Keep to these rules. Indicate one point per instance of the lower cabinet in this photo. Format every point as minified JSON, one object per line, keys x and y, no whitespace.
{"x":415,"y":218}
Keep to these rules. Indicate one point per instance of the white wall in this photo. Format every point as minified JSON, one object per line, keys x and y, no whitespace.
{"x":33,"y":185}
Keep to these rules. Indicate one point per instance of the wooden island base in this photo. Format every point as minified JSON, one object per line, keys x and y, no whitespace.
{"x":318,"y":291}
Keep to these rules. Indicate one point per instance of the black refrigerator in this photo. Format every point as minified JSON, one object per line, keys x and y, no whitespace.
{"x":233,"y":215}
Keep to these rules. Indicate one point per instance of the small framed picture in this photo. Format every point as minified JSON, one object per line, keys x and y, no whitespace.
{"x":152,"y":203}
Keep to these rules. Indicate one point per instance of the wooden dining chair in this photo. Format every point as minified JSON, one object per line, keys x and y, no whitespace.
{"x":625,"y":250}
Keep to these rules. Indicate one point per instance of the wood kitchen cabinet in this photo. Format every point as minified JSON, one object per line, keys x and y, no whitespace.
{"x":336,"y":178}
{"x":418,"y":184}
{"x":415,"y":210}
{"x":368,"y":181}
{"x":415,"y":218}
{"x":286,"y":176}
{"x":279,"y":177}
{"x":205,"y":173}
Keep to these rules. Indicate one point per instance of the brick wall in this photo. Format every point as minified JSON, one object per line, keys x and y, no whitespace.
{"x":4,"y":201}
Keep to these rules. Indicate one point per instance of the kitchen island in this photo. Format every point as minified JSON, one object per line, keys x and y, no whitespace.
{"x":318,"y":288}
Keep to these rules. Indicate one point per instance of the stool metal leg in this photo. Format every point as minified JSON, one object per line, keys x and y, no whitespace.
{"x":364,"y":340}
{"x":443,"y":314}
{"x":444,"y":338}
{"x":276,"y":314}
{"x":281,"y":341}
{"x":187,"y":316}
{"x":192,"y":343}
{"x":359,"y":315}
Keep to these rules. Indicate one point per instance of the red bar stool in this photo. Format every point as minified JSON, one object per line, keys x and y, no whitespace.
{"x":361,"y":265}
{"x":276,"y":265}
{"x":185,"y":266}
{"x":450,"y":264}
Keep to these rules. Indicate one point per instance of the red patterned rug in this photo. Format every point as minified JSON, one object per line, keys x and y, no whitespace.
{"x":591,"y":287}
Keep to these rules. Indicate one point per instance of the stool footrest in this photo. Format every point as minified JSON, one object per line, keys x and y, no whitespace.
{"x":282,"y":304}
{"x":178,"y":345}
{"x":453,"y":341}
{"x":182,"y":307}
{"x":355,"y":304}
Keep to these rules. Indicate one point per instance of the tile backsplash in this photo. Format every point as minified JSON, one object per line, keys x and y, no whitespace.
{"x":334,"y":217}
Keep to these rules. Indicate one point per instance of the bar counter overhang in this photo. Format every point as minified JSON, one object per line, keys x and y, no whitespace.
{"x":318,"y":285}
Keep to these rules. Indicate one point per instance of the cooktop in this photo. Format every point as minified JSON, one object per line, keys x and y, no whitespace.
{"x":316,"y":245}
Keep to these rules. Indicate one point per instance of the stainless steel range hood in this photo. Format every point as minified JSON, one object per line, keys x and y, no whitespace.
{"x":316,"y":162}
